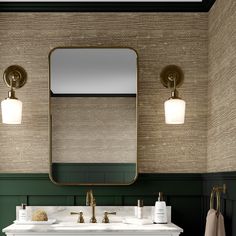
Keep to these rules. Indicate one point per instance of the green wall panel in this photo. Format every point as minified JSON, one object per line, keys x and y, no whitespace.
{"x":47,"y":201}
{"x":148,"y":200}
{"x":186,"y":214}
{"x":8,"y":209}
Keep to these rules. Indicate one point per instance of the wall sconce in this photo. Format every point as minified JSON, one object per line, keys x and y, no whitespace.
{"x":14,"y":77}
{"x":172,"y":77}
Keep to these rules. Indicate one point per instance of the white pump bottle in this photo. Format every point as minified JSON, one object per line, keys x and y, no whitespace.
{"x":160,"y":212}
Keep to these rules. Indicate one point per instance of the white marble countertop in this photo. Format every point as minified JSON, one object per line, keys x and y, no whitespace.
{"x":62,"y":213}
{"x":66,"y":224}
{"x":76,"y":228}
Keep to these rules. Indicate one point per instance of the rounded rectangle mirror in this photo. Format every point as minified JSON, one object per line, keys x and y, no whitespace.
{"x":93,"y":116}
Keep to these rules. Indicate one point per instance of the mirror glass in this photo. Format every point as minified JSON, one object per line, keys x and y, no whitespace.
{"x":93,"y":108}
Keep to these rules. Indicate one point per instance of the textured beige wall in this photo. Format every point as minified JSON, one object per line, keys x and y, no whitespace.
{"x":94,"y":130}
{"x":159,"y":38}
{"x":222,"y":87}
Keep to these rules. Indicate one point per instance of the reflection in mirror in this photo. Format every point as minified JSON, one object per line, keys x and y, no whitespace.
{"x":93,"y":115}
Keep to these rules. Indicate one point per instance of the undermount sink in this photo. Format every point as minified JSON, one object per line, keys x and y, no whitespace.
{"x":102,"y":227}
{"x":86,"y":225}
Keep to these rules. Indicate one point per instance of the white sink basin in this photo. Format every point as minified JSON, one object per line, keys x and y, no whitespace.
{"x":84,"y":225}
{"x":89,"y":226}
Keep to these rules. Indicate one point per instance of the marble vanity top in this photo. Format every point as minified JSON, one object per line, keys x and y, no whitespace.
{"x":66,"y":224}
{"x":62,"y":213}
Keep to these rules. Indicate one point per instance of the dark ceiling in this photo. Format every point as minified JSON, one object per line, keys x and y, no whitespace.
{"x":203,"y":6}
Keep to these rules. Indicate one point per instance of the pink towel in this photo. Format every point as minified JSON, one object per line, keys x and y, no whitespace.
{"x":220,"y":226}
{"x":211,"y":223}
{"x":214,"y":224}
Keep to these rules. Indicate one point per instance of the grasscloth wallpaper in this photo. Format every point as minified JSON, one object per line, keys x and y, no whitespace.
{"x":222,"y":87}
{"x":159,"y":38}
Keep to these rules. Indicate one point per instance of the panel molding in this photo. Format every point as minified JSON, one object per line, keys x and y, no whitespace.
{"x":231,"y":175}
{"x":15,"y":184}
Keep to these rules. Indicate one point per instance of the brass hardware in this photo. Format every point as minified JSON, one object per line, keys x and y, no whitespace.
{"x":89,"y":197}
{"x":15,"y":76}
{"x":90,"y":201}
{"x":80,"y":218}
{"x":50,"y":123}
{"x":221,"y":189}
{"x":172,"y":76}
{"x":216,"y":191}
{"x":12,"y":94}
{"x":105,"y":218}
{"x":93,"y":219}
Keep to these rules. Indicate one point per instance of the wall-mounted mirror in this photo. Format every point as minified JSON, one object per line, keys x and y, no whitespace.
{"x":93,"y":108}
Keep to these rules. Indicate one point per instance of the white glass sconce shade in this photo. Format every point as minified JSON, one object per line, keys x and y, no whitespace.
{"x":174,"y":111}
{"x":14,"y":77}
{"x":11,"y":111}
{"x":172,"y":77}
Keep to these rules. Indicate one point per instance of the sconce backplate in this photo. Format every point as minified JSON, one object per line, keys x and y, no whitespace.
{"x":171,"y":73}
{"x":16,"y":74}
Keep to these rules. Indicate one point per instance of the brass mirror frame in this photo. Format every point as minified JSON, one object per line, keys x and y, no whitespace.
{"x":50,"y":119}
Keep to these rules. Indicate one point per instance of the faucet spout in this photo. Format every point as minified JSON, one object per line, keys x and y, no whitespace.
{"x":90,"y":201}
{"x":89,"y":198}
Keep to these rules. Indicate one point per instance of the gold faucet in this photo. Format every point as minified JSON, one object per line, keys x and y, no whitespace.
{"x":90,"y":201}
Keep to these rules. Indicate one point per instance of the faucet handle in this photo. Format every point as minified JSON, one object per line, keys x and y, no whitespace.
{"x":81,"y":218}
{"x":106,"y":219}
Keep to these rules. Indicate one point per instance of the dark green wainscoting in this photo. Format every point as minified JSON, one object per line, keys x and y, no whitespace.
{"x":188,"y":194}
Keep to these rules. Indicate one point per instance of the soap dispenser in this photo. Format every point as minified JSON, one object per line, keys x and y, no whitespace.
{"x":23,"y":213}
{"x":160,"y":212}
